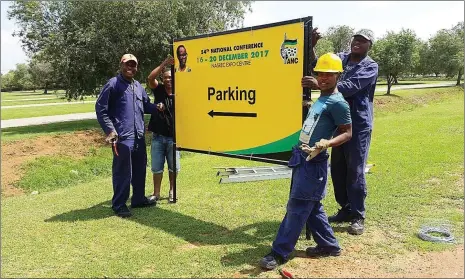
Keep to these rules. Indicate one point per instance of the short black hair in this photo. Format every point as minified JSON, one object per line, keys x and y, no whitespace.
{"x":177,"y":50}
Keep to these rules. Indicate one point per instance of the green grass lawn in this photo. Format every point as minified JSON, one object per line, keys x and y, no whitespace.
{"x":219,"y":230}
{"x":15,"y":95}
{"x":46,"y":111}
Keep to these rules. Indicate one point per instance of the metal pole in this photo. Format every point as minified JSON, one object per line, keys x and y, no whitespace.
{"x":173,"y":74}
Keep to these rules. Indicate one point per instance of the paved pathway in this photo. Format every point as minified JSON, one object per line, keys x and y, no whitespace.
{"x":33,"y":99}
{"x":415,"y":86}
{"x":48,"y":104}
{"x":91,"y":115}
{"x":47,"y":119}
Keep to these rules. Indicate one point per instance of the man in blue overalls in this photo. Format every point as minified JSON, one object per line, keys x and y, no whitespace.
{"x":330,"y":113}
{"x":357,"y":84}
{"x":120,"y":111}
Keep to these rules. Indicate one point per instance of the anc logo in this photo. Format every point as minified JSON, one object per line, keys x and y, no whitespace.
{"x":289,"y":51}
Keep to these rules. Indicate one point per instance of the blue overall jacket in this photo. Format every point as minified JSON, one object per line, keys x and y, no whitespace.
{"x":121,"y":106}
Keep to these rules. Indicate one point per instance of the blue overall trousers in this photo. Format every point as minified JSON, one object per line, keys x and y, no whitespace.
{"x":348,"y":163}
{"x":129,"y":167}
{"x":304,"y":206}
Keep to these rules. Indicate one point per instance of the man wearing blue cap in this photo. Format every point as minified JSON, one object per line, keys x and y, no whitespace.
{"x":357,"y":84}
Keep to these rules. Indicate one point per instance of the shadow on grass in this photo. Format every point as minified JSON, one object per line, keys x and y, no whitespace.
{"x":98,"y":211}
{"x":191,"y":229}
{"x":64,"y":127}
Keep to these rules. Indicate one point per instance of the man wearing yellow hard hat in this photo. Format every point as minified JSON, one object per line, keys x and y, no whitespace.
{"x":329,"y":115}
{"x":357,"y":84}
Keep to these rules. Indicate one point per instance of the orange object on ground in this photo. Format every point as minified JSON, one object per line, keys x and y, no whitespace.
{"x":285,"y":274}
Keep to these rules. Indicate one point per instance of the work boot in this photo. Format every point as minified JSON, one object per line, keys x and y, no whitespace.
{"x":321,"y":251}
{"x":341,"y":216}
{"x":123,"y":212}
{"x":357,"y":226}
{"x":146,"y":203}
{"x":271,"y":261}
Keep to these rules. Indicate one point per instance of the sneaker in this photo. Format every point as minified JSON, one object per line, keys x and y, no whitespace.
{"x":357,"y":226}
{"x":320,"y":251}
{"x":146,"y":203}
{"x":123,"y":212}
{"x":341,"y":216}
{"x":271,"y":261}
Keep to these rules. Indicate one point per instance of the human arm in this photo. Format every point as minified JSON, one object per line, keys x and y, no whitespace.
{"x":352,"y":84}
{"x":102,"y":112}
{"x":149,"y":108}
{"x":152,"y":78}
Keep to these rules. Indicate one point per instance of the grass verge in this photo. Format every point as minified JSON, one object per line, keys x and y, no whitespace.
{"x":222,"y":230}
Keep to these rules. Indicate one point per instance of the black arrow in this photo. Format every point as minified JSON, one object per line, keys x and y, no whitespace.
{"x":233,"y":114}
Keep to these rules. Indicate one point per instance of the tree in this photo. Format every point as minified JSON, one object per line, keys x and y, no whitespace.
{"x":447,"y":51}
{"x":323,"y":46}
{"x":83,"y":40}
{"x":340,"y":37}
{"x":7,"y":81}
{"x":426,"y":64}
{"x":22,"y":78}
{"x":396,"y":53}
{"x":41,"y":73}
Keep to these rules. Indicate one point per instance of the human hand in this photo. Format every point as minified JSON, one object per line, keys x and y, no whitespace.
{"x":309,"y":82}
{"x":160,"y":107}
{"x":315,"y":36}
{"x":112,"y":137}
{"x":322,"y":144}
{"x":307,"y":149}
{"x":311,"y":151}
{"x":168,"y":61}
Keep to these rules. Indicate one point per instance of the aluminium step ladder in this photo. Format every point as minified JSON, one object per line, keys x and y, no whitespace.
{"x":246,"y":174}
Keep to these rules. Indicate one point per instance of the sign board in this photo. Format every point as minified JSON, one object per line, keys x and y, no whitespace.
{"x":238,"y":93}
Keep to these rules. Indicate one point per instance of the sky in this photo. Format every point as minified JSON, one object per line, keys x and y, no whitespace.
{"x":424,"y":17}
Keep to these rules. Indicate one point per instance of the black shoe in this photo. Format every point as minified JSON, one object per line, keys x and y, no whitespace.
{"x":341,"y":216}
{"x":318,"y":251}
{"x":145,"y":203}
{"x":357,"y":226}
{"x":123,"y":212}
{"x":271,"y":261}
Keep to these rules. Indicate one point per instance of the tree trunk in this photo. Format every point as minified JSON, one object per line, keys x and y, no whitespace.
{"x":389,"y":82}
{"x":459,"y":77}
{"x":395,"y":79}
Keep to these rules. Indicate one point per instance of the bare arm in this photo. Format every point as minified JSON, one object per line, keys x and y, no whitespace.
{"x":344,"y":134}
{"x":152,"y":78}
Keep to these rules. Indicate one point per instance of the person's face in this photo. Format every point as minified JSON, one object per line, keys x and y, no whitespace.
{"x":167,"y":79}
{"x":182,"y":56}
{"x":327,"y":80}
{"x":129,"y":69}
{"x":360,"y":45}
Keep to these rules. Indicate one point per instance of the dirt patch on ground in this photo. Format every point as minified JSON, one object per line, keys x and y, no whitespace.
{"x":17,"y":153}
{"x":446,"y":264}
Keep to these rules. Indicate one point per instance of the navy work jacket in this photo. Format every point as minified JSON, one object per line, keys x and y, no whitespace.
{"x":357,"y":84}
{"x":121,"y":106}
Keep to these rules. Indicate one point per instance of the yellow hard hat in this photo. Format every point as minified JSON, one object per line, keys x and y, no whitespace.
{"x":329,"y":63}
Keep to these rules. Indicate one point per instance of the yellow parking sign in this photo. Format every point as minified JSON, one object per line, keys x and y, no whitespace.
{"x":238,"y":93}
